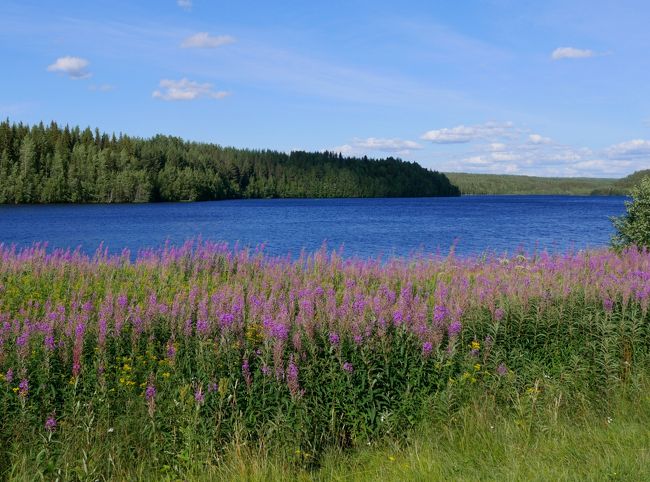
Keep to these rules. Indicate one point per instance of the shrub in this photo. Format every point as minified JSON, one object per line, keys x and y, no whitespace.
{"x":633,"y":228}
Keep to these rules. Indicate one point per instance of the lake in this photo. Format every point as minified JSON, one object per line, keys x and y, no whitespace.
{"x":365,"y":227}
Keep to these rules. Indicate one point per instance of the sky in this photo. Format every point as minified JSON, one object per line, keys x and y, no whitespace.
{"x":552,"y":88}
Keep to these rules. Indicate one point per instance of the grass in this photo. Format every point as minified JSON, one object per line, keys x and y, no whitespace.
{"x":204,"y":363}
{"x":548,"y":440}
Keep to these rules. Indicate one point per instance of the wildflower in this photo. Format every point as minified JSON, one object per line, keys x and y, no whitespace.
{"x":50,"y":423}
{"x":502,"y":369}
{"x":477,"y":367}
{"x":166,"y":374}
{"x":427,"y":348}
{"x":608,"y":304}
{"x":23,"y":387}
{"x":476,"y":345}
{"x":292,"y":378}
{"x":9,"y":376}
{"x":246,"y":372}
{"x":347,"y":366}
{"x":439,"y":313}
{"x":334,"y":338}
{"x":454,"y":329}
{"x":499,"y":313}
{"x":199,"y":397}
{"x":150,"y":392}
{"x":213,"y":387}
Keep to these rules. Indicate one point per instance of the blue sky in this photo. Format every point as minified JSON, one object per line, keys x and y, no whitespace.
{"x":555,"y":88}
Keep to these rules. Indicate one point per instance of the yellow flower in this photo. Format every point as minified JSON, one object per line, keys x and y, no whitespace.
{"x":391,"y":458}
{"x":15,"y":389}
{"x":476,"y":345}
{"x":477,"y":367}
{"x":166,"y":375}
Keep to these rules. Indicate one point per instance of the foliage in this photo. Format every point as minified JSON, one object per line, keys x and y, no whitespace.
{"x":623,"y":187}
{"x":192,"y":351}
{"x":633,"y":228}
{"x":52,"y":164}
{"x":512,"y":184}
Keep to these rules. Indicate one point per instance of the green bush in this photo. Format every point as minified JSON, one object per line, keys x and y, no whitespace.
{"x":633,"y":228}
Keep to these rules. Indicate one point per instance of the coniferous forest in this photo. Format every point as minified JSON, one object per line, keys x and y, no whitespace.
{"x":53,"y":164}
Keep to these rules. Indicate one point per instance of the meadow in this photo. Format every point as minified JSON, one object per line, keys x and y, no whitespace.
{"x":202,"y":361}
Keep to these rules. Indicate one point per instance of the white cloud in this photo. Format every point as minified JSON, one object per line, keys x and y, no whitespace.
{"x":370,"y":145}
{"x":185,"y":89}
{"x":203,"y":40}
{"x":634,"y":149}
{"x":537,"y":139}
{"x":386,"y":145}
{"x":463,"y":134}
{"x":186,"y":4}
{"x":345,"y":149}
{"x":74,"y":67}
{"x":571,"y":53}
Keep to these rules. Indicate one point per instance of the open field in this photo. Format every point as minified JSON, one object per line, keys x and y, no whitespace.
{"x":201,"y":361}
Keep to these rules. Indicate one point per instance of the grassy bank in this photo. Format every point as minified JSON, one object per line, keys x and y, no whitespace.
{"x":202,"y":361}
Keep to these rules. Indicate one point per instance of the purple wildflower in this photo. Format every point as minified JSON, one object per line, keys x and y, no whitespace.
{"x":334,"y":338}
{"x":499,"y":313}
{"x":23,"y":387}
{"x":454,"y":329}
{"x":427,"y":348}
{"x":502,"y":369}
{"x":292,"y":378}
{"x":150,"y":392}
{"x":347,"y":366}
{"x":246,"y":372}
{"x":50,"y":423}
{"x":608,"y":304}
{"x":9,"y":376}
{"x":199,"y":396}
{"x":439,"y":313}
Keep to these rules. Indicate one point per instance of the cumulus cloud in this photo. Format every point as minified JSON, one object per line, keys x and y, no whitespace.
{"x":634,"y":149}
{"x":386,"y":145}
{"x":186,"y":4}
{"x":74,"y":67}
{"x":185,"y":89}
{"x":537,"y":139}
{"x":463,"y":134}
{"x":571,"y":53}
{"x":359,"y":147}
{"x":541,"y":156}
{"x":203,"y":40}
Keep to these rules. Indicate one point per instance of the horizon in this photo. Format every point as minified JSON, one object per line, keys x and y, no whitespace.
{"x":490,"y":87}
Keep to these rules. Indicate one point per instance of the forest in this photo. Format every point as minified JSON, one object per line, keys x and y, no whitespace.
{"x":53,"y":164}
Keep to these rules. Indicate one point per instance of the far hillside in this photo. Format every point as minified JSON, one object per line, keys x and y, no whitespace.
{"x":511,"y":184}
{"x":622,"y":187}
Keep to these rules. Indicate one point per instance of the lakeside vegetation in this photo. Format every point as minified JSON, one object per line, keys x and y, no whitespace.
{"x":475,"y":184}
{"x":200,"y":361}
{"x":40,"y":164}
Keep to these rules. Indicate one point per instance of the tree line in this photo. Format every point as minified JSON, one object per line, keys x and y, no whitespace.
{"x":53,"y":164}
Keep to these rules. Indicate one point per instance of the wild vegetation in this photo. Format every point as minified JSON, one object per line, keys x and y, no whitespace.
{"x":50,"y":164}
{"x":198,"y":360}
{"x":633,"y":228}
{"x":512,"y":184}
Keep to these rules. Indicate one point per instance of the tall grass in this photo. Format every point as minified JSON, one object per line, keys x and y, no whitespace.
{"x":203,"y":360}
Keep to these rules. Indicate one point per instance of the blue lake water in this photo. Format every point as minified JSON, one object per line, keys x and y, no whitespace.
{"x":365,"y":227}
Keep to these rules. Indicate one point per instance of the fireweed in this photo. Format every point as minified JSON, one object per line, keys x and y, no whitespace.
{"x":201,"y":342}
